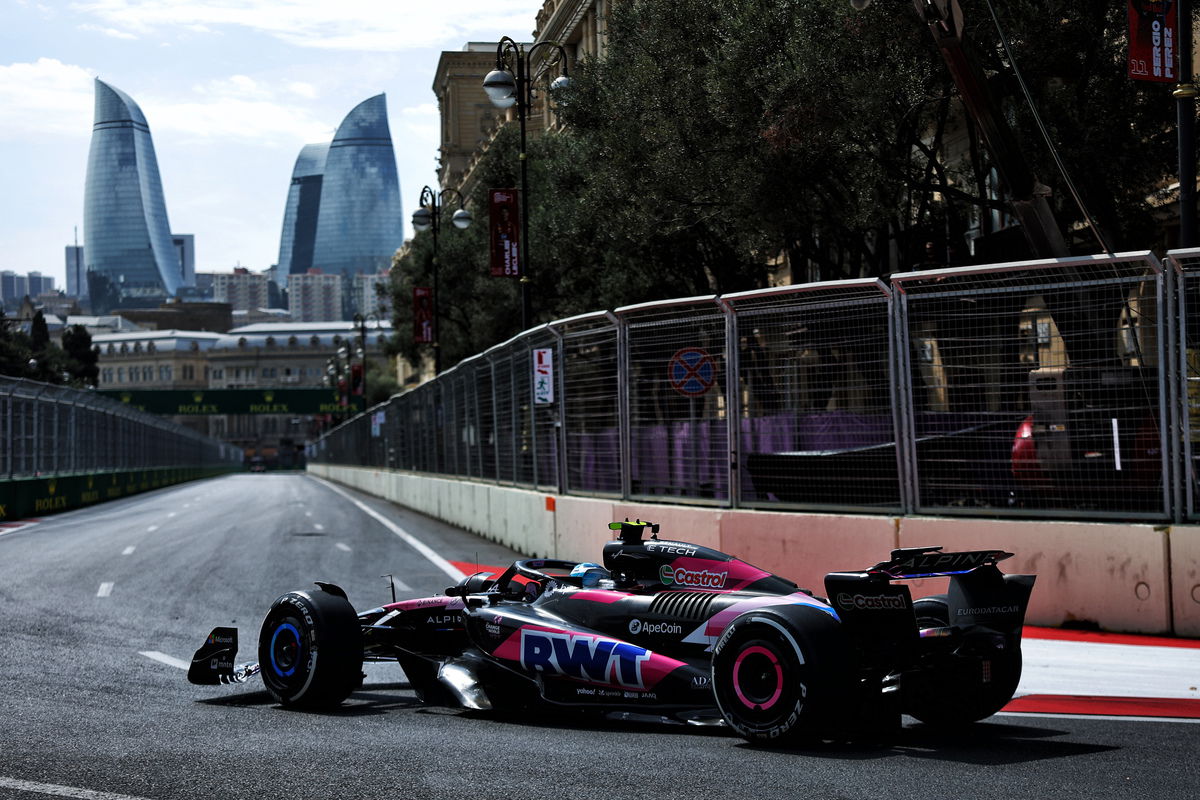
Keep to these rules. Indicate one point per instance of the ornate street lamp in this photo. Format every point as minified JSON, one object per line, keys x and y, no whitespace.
{"x":428,"y":217}
{"x":361,"y":321}
{"x":511,"y":84}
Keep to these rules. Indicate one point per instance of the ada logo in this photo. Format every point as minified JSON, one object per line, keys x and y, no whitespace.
{"x":699,"y":681}
{"x":698,"y":578}
{"x":589,"y":658}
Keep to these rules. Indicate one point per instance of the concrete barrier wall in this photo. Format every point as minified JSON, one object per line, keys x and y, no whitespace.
{"x":1120,"y":577}
{"x":1185,"y":579}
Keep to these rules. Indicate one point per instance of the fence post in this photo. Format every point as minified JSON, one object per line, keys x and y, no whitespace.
{"x":623,"y":414}
{"x":733,"y":403}
{"x":560,"y":406}
{"x":903,"y":422}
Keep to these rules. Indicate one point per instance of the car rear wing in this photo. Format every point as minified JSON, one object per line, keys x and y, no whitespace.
{"x":928,"y":562}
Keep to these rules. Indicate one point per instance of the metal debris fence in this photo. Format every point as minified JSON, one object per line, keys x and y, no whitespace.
{"x":1064,"y":388}
{"x":48,"y":431}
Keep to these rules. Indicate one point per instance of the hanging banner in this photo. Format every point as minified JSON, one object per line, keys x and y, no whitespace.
{"x":1152,"y":26}
{"x":422,"y":315}
{"x":543,"y":376}
{"x":504,"y":221}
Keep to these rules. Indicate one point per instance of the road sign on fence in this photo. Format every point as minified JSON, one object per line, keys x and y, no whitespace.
{"x":692,"y":371}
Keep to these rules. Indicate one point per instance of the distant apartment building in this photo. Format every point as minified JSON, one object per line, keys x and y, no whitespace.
{"x":76,"y":272}
{"x":14,"y":287}
{"x":185,"y":249}
{"x":367,"y":298}
{"x":315,"y":297}
{"x":242,"y":289}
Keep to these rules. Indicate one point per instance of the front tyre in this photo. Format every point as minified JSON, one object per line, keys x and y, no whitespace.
{"x":761,"y":680}
{"x":310,"y":649}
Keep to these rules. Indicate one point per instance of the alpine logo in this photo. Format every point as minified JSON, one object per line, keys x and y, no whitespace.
{"x":698,"y":578}
{"x":636,"y":626}
{"x":864,"y":602}
{"x":588,"y":658}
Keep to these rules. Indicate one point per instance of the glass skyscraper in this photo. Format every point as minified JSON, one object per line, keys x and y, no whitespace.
{"x":343,"y":209}
{"x":300,"y":215}
{"x":130,"y":257}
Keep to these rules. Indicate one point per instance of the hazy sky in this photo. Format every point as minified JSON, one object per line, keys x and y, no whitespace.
{"x":231,"y":89}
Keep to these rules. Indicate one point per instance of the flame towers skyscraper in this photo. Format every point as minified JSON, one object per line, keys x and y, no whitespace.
{"x":130,"y":257}
{"x":343,"y":208}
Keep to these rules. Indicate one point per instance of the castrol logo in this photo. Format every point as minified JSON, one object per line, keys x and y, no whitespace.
{"x":694,"y":578}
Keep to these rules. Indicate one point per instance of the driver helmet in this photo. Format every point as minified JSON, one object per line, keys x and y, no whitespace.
{"x":589,"y":574}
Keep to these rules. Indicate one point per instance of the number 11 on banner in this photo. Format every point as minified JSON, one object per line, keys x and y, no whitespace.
{"x":543,"y":376}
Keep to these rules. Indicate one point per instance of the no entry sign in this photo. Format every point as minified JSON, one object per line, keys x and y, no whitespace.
{"x":692,"y":371}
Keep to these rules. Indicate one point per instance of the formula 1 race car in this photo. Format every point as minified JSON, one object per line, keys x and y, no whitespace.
{"x":669,"y":629}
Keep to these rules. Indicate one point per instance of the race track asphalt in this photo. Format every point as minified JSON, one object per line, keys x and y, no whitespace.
{"x":102,"y":607}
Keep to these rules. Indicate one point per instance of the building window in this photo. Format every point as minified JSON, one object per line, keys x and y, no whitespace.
{"x":120,"y":374}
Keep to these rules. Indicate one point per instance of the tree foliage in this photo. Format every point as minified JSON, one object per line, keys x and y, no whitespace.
{"x":712,"y":137}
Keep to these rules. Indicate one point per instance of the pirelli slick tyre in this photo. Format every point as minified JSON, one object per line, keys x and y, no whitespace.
{"x":768,"y":683}
{"x":310,"y":649}
{"x":956,"y":688}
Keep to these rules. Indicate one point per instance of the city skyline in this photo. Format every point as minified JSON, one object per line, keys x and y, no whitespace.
{"x":232,"y":93}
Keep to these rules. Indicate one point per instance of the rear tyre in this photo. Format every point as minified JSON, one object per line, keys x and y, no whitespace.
{"x":951,"y":688}
{"x":762,"y":680}
{"x":310,"y":649}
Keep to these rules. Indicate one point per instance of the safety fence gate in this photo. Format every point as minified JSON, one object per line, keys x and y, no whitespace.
{"x":1064,"y":388}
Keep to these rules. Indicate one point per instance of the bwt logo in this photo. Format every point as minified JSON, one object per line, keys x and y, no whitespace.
{"x":588,"y":658}
{"x":692,"y":577}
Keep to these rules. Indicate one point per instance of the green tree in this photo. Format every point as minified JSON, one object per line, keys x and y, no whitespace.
{"x":714,"y":136}
{"x":82,"y":358}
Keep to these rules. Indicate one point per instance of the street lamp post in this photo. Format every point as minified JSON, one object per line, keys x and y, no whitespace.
{"x":428,"y":217}
{"x":511,"y":84}
{"x":1185,"y":97}
{"x":361,"y":321}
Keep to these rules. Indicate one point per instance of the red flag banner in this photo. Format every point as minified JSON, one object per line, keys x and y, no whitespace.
{"x":504,"y":219}
{"x":1152,"y":26}
{"x":422,"y":315}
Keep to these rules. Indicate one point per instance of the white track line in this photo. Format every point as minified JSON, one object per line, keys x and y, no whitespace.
{"x":319,"y":526}
{"x":163,"y":658}
{"x":61,"y":791}
{"x":345,"y":548}
{"x":128,"y":551}
{"x":105,"y":589}
{"x":152,"y":529}
{"x":445,"y":566}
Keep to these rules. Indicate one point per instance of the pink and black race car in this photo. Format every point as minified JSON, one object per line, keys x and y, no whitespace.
{"x":667,"y":628}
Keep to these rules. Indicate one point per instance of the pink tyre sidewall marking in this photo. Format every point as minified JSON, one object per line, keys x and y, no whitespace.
{"x":737,"y":684}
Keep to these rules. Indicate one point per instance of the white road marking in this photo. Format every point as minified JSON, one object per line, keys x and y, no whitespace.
{"x":163,"y":658}
{"x":128,"y":551}
{"x":16,"y":528}
{"x":345,"y":548}
{"x":105,"y":589}
{"x":170,"y":514}
{"x":308,"y":513}
{"x":445,"y":566}
{"x":61,"y":791}
{"x":1108,"y":670}
{"x":152,"y":529}
{"x":319,"y":526}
